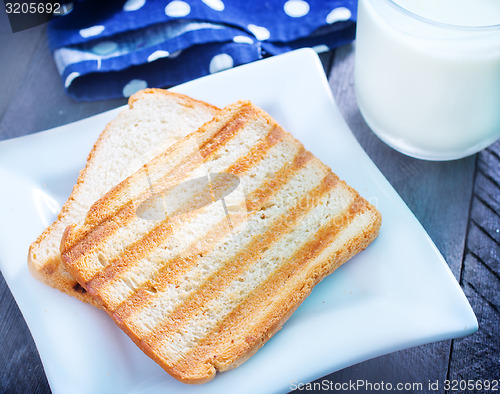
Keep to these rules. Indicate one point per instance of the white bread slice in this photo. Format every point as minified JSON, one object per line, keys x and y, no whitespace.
{"x":154,"y":120}
{"x":195,"y":293}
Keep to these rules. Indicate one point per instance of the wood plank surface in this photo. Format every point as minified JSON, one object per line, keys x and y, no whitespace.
{"x":440,"y":194}
{"x":477,"y":357}
{"x":34,"y":88}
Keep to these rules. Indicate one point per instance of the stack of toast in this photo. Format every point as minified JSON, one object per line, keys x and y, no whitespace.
{"x":201,"y":238}
{"x":154,"y":120}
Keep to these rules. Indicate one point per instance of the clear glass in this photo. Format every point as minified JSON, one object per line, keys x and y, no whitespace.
{"x":428,"y":89}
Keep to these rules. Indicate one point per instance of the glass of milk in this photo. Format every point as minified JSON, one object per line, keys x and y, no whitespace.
{"x":427,"y":74}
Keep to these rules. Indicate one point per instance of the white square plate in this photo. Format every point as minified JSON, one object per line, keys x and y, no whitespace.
{"x":398,"y":293}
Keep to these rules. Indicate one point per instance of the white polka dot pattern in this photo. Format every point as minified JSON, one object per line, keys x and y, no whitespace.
{"x":296,"y":8}
{"x":134,"y":86}
{"x":260,"y":32}
{"x":320,"y":48}
{"x":133,"y":5}
{"x":242,"y":40}
{"x":157,"y":55}
{"x":338,"y":15}
{"x":153,"y":41}
{"x":105,"y":48}
{"x":220,"y":62}
{"x":216,"y":5}
{"x":92,"y":31}
{"x":177,"y":9}
{"x":175,"y":54}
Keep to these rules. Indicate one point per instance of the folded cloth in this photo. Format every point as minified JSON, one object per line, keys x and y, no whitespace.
{"x":107,"y":49}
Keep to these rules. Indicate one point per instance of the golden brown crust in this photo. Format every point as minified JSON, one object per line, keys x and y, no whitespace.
{"x":55,"y":275}
{"x":187,"y":101}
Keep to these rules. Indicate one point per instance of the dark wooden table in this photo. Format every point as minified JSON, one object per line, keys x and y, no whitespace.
{"x":457,"y":202}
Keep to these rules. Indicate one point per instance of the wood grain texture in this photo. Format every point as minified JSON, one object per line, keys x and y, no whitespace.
{"x":34,"y":88}
{"x":16,"y":51}
{"x":21,"y":370}
{"x":477,"y":357}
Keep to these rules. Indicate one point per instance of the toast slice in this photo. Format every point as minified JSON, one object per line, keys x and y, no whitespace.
{"x":200,"y":286}
{"x":154,"y":120}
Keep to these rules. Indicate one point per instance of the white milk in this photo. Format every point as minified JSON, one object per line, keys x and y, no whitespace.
{"x":427,"y":89}
{"x":456,"y":12}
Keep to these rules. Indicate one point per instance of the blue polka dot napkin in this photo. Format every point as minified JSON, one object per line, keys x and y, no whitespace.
{"x":107,"y":49}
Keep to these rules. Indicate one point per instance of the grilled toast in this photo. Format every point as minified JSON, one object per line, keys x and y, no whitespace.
{"x":201,"y":286}
{"x":154,"y":120}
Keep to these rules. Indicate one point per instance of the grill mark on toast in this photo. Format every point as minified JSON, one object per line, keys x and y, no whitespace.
{"x":210,"y":146}
{"x":147,"y":243}
{"x":235,"y":327}
{"x":75,"y":255}
{"x":219,"y":280}
{"x":154,"y":237}
{"x":87,"y":240}
{"x":166,"y":275}
{"x":130,"y":254}
{"x":258,"y":151}
{"x":265,"y":193}
{"x":178,"y":265}
{"x":164,"y":271}
{"x":200,"y":326}
{"x":78,"y":243}
{"x":101,"y":211}
{"x":226,"y":131}
{"x":145,"y":248}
